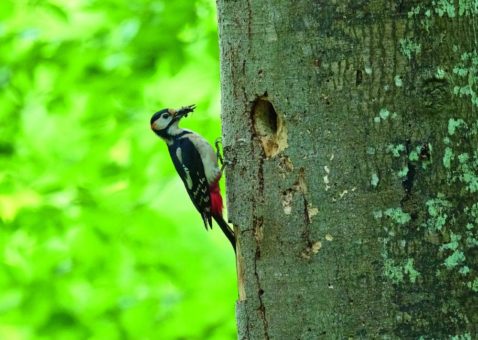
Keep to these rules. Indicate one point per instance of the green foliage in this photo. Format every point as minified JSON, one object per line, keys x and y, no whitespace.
{"x":98,"y":238}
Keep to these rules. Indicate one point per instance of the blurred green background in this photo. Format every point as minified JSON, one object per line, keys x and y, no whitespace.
{"x":98,"y":238}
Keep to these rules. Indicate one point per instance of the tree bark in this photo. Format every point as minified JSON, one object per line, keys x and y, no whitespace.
{"x":351,"y":128}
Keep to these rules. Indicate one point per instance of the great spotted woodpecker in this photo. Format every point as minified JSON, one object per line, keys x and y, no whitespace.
{"x":196,"y":163}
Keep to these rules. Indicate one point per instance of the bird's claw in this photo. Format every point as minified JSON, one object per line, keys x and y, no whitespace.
{"x":221,"y":160}
{"x":218,"y":142}
{"x":224,"y":164}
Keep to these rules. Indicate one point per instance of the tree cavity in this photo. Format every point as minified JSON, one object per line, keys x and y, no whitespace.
{"x":268,"y":127}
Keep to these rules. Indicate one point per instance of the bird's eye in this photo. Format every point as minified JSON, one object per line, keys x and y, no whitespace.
{"x":165,"y":115}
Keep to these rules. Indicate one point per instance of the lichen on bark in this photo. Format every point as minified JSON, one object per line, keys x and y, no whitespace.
{"x":351,"y":128}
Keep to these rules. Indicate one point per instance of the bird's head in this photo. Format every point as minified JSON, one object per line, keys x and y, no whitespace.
{"x":165,"y":121}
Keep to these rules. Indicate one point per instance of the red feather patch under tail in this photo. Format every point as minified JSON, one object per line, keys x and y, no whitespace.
{"x":216,"y":199}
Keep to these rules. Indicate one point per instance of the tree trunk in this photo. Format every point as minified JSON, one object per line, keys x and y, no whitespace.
{"x":351,"y":128}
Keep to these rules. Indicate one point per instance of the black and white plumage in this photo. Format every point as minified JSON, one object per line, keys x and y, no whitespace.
{"x":196,"y":163}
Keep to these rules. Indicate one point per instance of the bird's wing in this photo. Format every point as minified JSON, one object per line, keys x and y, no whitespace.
{"x":190,"y":168}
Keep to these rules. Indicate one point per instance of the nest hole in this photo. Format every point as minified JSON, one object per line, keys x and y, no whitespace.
{"x":265,"y":117}
{"x":268,"y":126}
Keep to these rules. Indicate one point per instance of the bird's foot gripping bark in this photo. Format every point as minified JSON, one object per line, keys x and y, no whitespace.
{"x":218,"y":144}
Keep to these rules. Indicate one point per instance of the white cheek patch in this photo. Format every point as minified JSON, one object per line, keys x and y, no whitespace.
{"x":161,"y":123}
{"x":158,"y":125}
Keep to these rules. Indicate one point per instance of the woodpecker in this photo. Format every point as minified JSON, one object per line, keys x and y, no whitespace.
{"x":196,"y":163}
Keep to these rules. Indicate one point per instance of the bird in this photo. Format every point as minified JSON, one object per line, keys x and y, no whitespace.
{"x":197,"y":165}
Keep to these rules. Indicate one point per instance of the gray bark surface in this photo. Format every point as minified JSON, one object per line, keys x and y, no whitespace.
{"x":351,"y":128}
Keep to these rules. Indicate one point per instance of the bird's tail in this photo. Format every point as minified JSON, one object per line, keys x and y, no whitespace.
{"x":226,"y":229}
